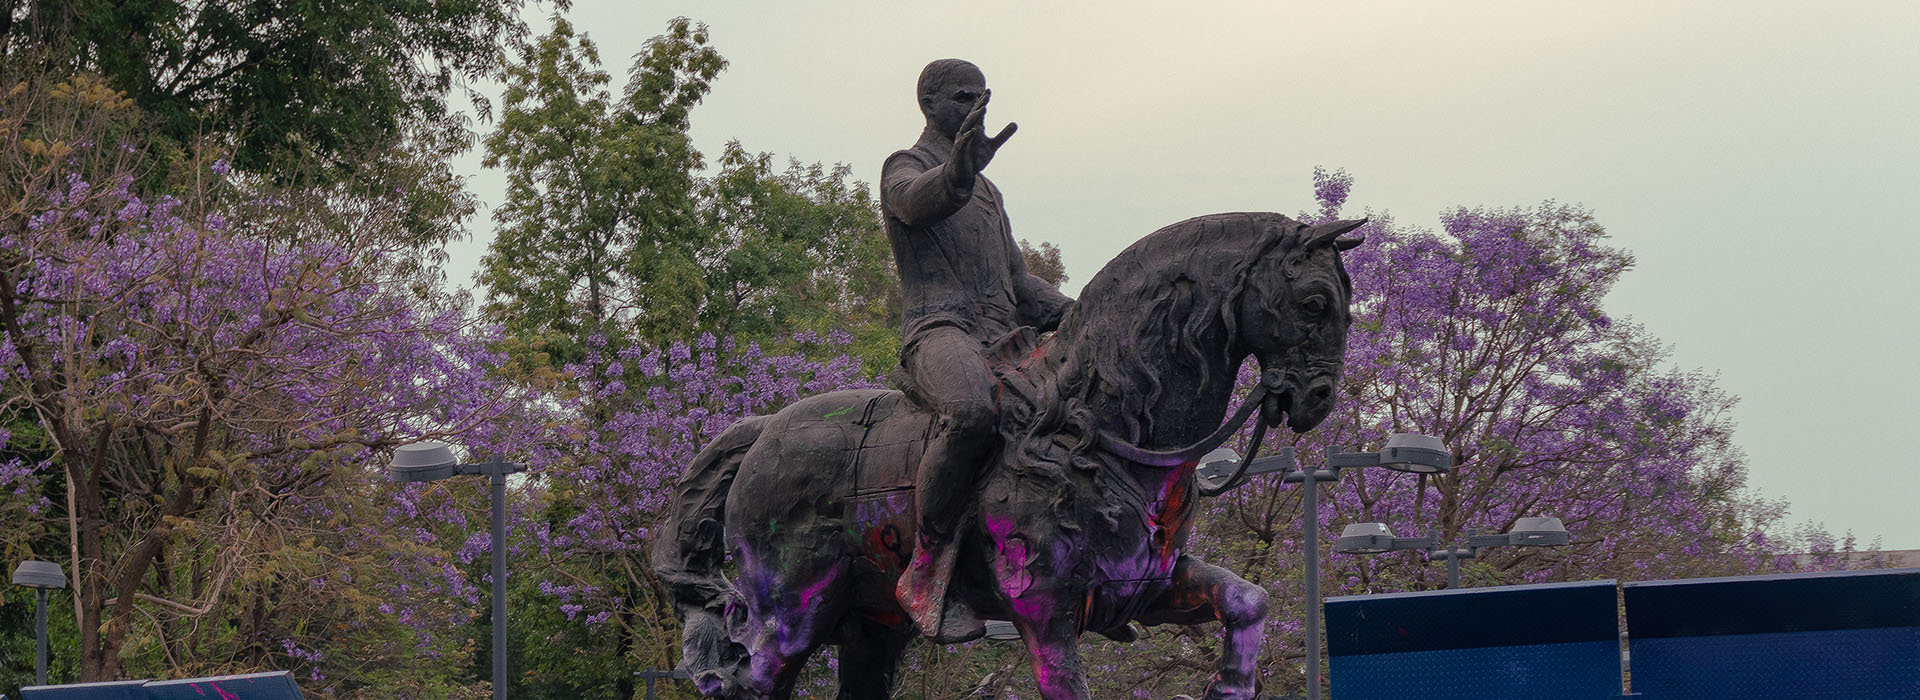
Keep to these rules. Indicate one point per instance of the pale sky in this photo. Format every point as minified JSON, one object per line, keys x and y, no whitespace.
{"x":1760,"y":159}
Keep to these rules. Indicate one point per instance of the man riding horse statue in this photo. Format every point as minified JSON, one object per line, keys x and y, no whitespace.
{"x":1049,"y":482}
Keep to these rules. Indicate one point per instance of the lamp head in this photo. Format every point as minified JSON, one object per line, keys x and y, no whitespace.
{"x":427,"y":460}
{"x":1538,"y":532}
{"x":39,"y":574}
{"x":1415,"y":454}
{"x":1216,"y":468}
{"x":1364,"y":538}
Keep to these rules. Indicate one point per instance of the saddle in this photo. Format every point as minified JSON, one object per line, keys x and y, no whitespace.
{"x":888,"y":461}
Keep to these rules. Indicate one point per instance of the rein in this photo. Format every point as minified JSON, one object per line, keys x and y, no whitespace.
{"x":1263,"y":393}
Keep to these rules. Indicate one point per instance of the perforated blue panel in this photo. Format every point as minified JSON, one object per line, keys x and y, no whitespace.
{"x":273,"y":685}
{"x":1849,"y":635}
{"x":1556,"y":641}
{"x":276,"y":685}
{"x":1547,"y":613}
{"x":111,"y":690}
{"x":1575,"y":671}
{"x":1859,"y":664}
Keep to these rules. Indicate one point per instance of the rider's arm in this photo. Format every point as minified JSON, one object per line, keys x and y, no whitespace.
{"x":917,"y":193}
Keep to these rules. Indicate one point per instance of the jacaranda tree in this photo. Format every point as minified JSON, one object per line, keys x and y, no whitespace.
{"x":212,"y":392}
{"x":615,"y":490}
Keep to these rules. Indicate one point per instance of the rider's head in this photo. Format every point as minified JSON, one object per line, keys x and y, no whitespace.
{"x":948,"y":88}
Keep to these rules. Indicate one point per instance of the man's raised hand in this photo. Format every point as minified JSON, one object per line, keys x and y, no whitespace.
{"x":973,"y":150}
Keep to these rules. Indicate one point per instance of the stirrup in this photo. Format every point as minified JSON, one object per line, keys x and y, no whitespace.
{"x":958,"y":624}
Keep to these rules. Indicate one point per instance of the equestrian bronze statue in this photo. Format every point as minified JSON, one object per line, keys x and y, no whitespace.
{"x":1071,"y":515}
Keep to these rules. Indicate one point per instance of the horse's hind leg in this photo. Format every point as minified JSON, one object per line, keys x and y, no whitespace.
{"x":791,"y":607}
{"x":870,"y":664}
{"x":1203,"y":592}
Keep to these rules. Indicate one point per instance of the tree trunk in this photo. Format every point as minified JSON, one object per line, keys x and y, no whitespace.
{"x":90,"y":571}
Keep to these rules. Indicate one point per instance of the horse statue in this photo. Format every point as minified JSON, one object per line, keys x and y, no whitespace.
{"x":1081,"y":520}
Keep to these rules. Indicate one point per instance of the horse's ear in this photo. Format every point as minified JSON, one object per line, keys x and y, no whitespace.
{"x":1346,"y":244}
{"x":1325,"y":234}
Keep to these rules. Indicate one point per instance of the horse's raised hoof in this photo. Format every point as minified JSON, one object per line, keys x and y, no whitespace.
{"x":1215,"y":693}
{"x":709,"y":683}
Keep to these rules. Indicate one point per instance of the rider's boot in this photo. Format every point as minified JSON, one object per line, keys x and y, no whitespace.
{"x":922,"y":590}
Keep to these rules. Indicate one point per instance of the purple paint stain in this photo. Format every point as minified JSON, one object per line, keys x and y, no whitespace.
{"x":805,"y":631}
{"x":1033,"y":606}
{"x":1049,"y":671}
{"x":1011,"y":567}
{"x":999,"y":525}
{"x":808,"y":594}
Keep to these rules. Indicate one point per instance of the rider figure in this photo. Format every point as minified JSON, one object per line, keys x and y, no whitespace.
{"x":964,"y":284}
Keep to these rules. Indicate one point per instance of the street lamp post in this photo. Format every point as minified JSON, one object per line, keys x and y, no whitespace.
{"x":652,"y":675}
{"x":433,"y":461}
{"x":1374,"y":538}
{"x":42,"y":577}
{"x":1404,"y":452}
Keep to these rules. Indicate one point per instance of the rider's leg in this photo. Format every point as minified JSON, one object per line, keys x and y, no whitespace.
{"x":1203,"y":592}
{"x":951,"y":371}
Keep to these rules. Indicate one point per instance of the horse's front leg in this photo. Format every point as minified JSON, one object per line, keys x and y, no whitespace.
{"x":1045,"y":606}
{"x":1049,"y":621}
{"x":1203,"y":592}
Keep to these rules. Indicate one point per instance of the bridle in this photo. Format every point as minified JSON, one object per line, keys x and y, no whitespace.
{"x":1265,"y":398}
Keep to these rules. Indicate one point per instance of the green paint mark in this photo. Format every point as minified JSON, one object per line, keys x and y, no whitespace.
{"x":835,"y":413}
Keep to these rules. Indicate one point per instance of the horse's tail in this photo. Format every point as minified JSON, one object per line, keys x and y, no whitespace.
{"x":689,"y":550}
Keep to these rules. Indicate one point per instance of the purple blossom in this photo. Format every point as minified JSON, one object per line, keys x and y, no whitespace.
{"x":135,"y":316}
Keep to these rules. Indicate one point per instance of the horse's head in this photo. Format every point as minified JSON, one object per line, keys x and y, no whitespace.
{"x":1292,"y":316}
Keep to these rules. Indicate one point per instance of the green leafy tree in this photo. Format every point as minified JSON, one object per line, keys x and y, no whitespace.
{"x":610,"y":229}
{"x":17,"y":638}
{"x":598,"y":220}
{"x":796,"y":250}
{"x":286,"y":82}
{"x":1043,"y":261}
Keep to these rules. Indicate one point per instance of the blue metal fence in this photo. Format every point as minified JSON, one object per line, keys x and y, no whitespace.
{"x":1556,"y":641}
{"x":111,"y":690}
{"x":1849,"y":635}
{"x":275,"y":685}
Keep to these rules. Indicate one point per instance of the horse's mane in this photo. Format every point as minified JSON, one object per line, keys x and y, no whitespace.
{"x":1147,"y":310}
